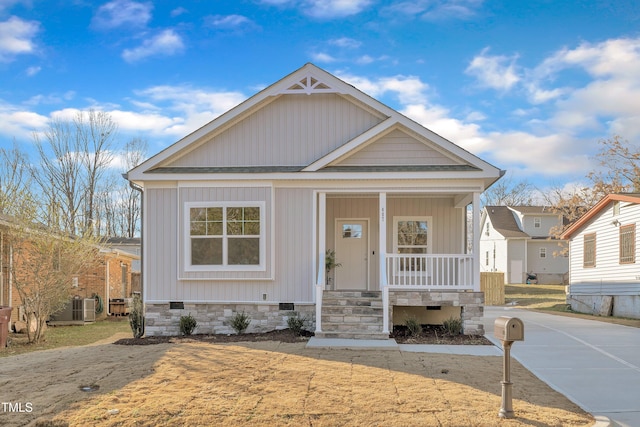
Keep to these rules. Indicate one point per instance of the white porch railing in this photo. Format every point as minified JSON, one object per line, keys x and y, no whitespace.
{"x":429,"y":272}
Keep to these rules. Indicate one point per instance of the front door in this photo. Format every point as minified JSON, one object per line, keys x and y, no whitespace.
{"x":352,"y":250}
{"x":516,"y":271}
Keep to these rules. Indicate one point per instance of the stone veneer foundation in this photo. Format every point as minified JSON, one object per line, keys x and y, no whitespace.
{"x":471,"y":303}
{"x":216,"y":318}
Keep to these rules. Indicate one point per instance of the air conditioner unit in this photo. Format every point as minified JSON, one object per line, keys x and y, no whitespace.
{"x":78,"y":310}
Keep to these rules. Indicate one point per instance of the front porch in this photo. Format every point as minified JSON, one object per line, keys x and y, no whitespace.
{"x":395,"y":249}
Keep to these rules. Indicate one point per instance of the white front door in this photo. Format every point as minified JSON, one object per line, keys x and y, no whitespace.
{"x":352,"y":250}
{"x":516,"y":271}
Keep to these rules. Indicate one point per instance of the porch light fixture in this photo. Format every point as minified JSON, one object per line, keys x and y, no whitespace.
{"x":615,"y":223}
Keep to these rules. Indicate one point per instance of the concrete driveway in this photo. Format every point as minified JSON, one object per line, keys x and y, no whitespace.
{"x":595,"y":364}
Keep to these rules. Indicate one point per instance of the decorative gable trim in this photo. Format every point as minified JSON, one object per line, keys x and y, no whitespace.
{"x":309,"y":84}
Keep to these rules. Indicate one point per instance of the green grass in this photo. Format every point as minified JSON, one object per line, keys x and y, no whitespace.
{"x":551,"y":299}
{"x":542,"y":297}
{"x":64,"y":336}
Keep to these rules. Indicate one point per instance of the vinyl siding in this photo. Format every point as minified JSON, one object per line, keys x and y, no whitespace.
{"x":292,"y":279}
{"x":293,"y":130}
{"x":547,"y":223}
{"x":398,"y":148}
{"x":551,"y":264}
{"x":608,"y":269}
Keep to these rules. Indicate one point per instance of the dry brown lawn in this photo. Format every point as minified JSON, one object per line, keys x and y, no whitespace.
{"x":270,"y":384}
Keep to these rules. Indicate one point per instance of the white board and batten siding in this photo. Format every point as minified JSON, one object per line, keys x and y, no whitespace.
{"x":398,"y":147}
{"x":287,"y":277}
{"x":618,"y":278}
{"x":291,"y":131}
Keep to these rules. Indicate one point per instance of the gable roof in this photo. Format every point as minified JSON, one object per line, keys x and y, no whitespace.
{"x":595,"y":211}
{"x":535,"y":210}
{"x":311,"y":80}
{"x":504,"y":222}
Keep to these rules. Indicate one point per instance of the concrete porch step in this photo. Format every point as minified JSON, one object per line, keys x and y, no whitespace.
{"x":357,"y":335}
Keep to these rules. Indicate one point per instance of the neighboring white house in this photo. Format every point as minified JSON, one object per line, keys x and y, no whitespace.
{"x":517,"y":241}
{"x":239,"y":214}
{"x":604,"y":275}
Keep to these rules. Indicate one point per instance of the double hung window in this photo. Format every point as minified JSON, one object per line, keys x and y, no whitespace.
{"x":226,"y":236}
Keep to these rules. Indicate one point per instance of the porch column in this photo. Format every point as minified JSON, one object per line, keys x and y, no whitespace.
{"x":322,"y":244}
{"x":475,"y":214}
{"x":382,"y":260}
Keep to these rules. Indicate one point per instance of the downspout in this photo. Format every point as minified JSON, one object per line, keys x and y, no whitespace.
{"x":142,"y":282}
{"x":106,"y":285}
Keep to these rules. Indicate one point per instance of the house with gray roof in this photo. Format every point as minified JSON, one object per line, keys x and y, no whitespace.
{"x":518,"y":241}
{"x":243,"y":214}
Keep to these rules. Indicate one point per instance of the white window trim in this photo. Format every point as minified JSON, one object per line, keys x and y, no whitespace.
{"x":429,"y":221}
{"x":211,"y":268}
{"x":542,"y":253}
{"x":397,"y":219}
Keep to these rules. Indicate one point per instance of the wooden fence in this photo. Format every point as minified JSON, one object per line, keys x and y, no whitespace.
{"x":492,"y":284}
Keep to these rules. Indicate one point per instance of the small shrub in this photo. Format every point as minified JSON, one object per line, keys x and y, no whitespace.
{"x":188,"y":324}
{"x":413,"y":325}
{"x":452,"y":326}
{"x":296,"y":323}
{"x":240,"y":322}
{"x":136,"y":317}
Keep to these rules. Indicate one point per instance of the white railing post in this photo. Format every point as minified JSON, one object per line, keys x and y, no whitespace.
{"x":322,"y":247}
{"x":476,"y":242}
{"x":385,"y":310}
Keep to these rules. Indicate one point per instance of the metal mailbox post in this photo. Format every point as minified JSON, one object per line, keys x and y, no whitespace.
{"x":507,"y":329}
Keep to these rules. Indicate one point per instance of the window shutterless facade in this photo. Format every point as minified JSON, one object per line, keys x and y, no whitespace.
{"x":628,"y":244}
{"x":225,"y":236}
{"x":589,"y":251}
{"x":543,"y":252}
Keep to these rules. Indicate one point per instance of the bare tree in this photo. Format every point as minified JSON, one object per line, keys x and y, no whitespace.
{"x":43,"y":264}
{"x":73,"y":158}
{"x":96,"y":133}
{"x":134,"y":153}
{"x":14,"y":178}
{"x":508,"y":192}
{"x":620,"y":163}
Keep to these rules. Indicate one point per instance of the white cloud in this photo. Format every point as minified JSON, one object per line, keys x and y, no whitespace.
{"x":494,"y":71}
{"x":323,"y":9}
{"x":32,"y":71}
{"x":408,"y":89}
{"x":122,"y":13}
{"x":167,"y":43}
{"x":346,"y":43}
{"x":16,"y":37}
{"x":178,"y":11}
{"x":194,"y":107}
{"x":227,"y":21}
{"x":323,"y":57}
{"x":19,"y":123}
{"x":333,"y":8}
{"x":435,"y":10}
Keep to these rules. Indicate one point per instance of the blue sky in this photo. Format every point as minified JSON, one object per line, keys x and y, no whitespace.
{"x":529,"y":86}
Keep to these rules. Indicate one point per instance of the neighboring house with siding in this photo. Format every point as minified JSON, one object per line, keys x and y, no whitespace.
{"x":239,"y":214}
{"x":604,"y":274}
{"x":518,"y":240}
{"x":109,"y":279}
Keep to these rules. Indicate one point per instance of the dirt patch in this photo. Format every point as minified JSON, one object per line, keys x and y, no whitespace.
{"x":193,"y":382}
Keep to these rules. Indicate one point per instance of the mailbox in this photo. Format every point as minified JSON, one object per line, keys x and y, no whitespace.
{"x":508,"y":329}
